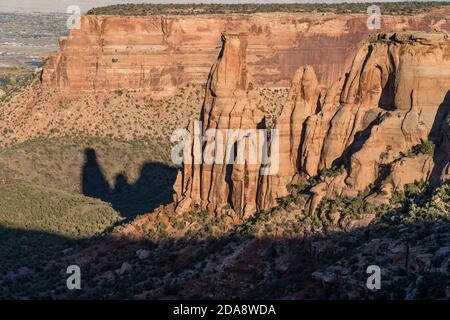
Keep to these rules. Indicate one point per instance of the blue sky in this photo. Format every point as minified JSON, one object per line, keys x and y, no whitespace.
{"x":61,"y":5}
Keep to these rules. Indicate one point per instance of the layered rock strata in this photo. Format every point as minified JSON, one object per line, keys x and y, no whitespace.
{"x":378,"y":124}
{"x":161,"y":54}
{"x":394,"y":99}
{"x":231,"y":108}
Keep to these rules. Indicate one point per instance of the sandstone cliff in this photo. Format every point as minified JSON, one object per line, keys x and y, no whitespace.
{"x":394,"y":100}
{"x":229,"y":104}
{"x":385,"y":124}
{"x":160,"y":54}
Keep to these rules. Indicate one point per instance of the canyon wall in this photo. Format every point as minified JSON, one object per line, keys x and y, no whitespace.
{"x":382,"y":125}
{"x":160,"y":54}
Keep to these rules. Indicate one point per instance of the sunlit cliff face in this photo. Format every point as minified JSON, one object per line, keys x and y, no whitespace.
{"x":160,"y":55}
{"x":394,"y":98}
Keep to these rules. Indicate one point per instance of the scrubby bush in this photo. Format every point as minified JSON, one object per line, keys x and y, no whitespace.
{"x":331,"y":172}
{"x":399,"y":8}
{"x":426,"y":147}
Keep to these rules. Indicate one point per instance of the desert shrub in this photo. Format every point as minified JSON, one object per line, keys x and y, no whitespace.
{"x":426,"y":147}
{"x":331,"y":172}
{"x":399,"y":8}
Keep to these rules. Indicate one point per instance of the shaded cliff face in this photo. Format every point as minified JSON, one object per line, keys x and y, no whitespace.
{"x":377,"y":123}
{"x":161,"y":54}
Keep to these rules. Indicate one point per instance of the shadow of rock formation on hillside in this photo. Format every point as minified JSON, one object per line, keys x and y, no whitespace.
{"x":152,"y":189}
{"x":313,"y":267}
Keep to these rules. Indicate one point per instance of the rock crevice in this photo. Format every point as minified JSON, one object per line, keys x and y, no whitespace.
{"x":391,"y":103}
{"x":159,"y":55}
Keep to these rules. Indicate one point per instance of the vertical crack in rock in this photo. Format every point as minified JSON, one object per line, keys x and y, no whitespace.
{"x":394,"y":98}
{"x":231,"y":107}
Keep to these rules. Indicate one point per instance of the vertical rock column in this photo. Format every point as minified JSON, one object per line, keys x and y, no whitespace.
{"x":302,"y":102}
{"x":231,"y":108}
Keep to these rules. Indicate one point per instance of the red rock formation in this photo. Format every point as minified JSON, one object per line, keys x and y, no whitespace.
{"x":391,"y":101}
{"x":302,"y":102}
{"x":161,"y":54}
{"x":394,"y":98}
{"x":229,"y":104}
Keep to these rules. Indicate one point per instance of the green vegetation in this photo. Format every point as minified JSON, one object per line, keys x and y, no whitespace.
{"x":397,"y":8}
{"x":347,"y":207}
{"x":420,"y":202}
{"x":332,"y":172}
{"x":385,"y":154}
{"x":57,"y":162}
{"x":44,"y":214}
{"x":38,"y":224}
{"x":47,"y":223}
{"x":13,"y":81}
{"x":426,"y":147}
{"x":35,"y":208}
{"x":296,"y":190}
{"x":417,"y":202}
{"x":189,"y":248}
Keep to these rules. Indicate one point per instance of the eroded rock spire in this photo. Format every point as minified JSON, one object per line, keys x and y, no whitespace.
{"x":376,"y":123}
